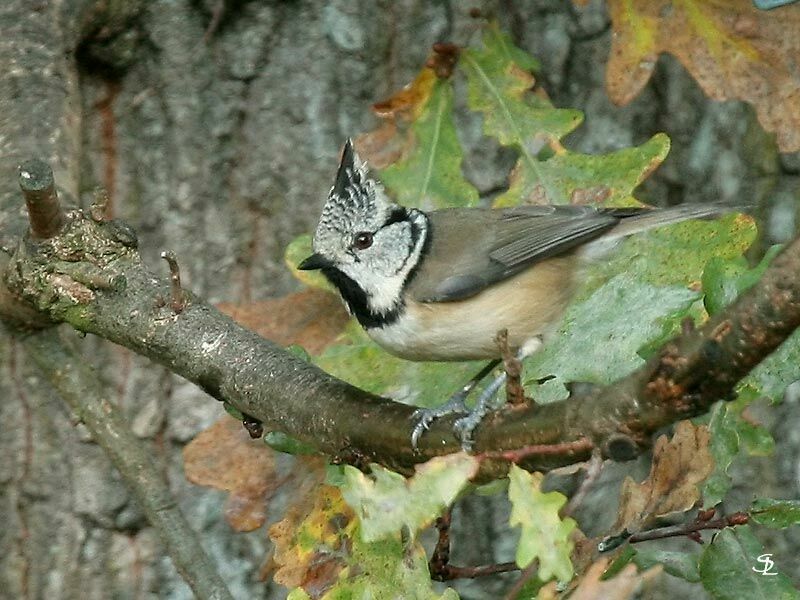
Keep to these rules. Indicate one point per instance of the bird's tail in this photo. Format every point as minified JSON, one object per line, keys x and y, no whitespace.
{"x":642,"y":220}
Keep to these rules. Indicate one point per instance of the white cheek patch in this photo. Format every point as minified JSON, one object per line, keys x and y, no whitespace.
{"x":384,"y":295}
{"x":384,"y":292}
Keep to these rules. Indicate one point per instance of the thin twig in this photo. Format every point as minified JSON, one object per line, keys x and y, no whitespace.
{"x":439,"y":564}
{"x":691,"y":530}
{"x":594,"y":467}
{"x":80,"y":388}
{"x":526,"y":575}
{"x":556,"y":449}
{"x":177,"y":295}
{"x":453,"y":572}
{"x":737,"y":518}
{"x":44,"y":210}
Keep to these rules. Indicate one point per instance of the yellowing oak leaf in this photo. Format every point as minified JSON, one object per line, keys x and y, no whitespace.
{"x":312,"y":544}
{"x":386,"y":501}
{"x":733,"y":50}
{"x":384,"y":145}
{"x":679,"y":466}
{"x":416,"y":148}
{"x":318,"y":547}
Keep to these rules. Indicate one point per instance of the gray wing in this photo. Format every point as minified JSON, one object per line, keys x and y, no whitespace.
{"x":472,"y":248}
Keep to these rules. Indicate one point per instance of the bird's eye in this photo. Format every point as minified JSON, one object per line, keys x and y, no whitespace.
{"x":362,"y":241}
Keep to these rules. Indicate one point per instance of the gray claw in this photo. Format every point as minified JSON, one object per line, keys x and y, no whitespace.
{"x":419,"y":428}
{"x":425,"y":416}
{"x":464,"y":426}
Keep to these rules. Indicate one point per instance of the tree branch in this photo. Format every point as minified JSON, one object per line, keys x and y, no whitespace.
{"x":691,"y":529}
{"x":79,"y":387}
{"x":260,"y":379}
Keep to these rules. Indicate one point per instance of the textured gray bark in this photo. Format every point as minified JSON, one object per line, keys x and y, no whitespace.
{"x":220,"y":150}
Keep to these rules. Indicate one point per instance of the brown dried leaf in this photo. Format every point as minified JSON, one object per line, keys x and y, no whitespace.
{"x":679,"y":466}
{"x":224,"y":457}
{"x":311,"y":318}
{"x":407,"y":103}
{"x":625,"y":584}
{"x":732,"y":49}
{"x":386,"y":144}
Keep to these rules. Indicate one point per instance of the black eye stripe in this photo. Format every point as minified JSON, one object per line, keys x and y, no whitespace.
{"x":397,"y":215}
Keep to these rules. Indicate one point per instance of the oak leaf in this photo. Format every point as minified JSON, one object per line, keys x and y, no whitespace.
{"x":224,"y":457}
{"x":312,"y":318}
{"x":679,"y":466}
{"x":733,"y":50}
{"x":625,"y":584}
{"x":310,"y":540}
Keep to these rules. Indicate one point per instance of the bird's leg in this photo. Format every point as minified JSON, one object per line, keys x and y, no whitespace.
{"x":464,"y":426}
{"x":455,"y":405}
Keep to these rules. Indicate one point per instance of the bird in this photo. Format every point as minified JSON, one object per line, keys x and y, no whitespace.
{"x":440,"y":285}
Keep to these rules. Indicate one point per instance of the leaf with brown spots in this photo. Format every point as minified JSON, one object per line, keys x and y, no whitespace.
{"x":313,"y":540}
{"x":312,"y":318}
{"x":679,"y":466}
{"x":733,"y":50}
{"x":224,"y":457}
{"x":319,"y":548}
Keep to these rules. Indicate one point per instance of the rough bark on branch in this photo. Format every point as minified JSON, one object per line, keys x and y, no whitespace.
{"x":59,"y":277}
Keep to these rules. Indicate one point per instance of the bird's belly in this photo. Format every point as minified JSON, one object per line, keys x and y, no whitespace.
{"x":528,"y":305}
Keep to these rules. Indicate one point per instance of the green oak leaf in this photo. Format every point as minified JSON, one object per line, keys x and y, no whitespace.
{"x":599,"y":338}
{"x":773,"y":375}
{"x":586,"y":178}
{"x":544,"y":535}
{"x":676,"y":254}
{"x":724,"y":279}
{"x":724,"y":447}
{"x":386,"y":502}
{"x":277,"y":440}
{"x":678,"y":564}
{"x":498,"y":86}
{"x":732,"y":433}
{"x":429,"y":176}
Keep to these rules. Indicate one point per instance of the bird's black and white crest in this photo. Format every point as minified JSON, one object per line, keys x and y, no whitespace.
{"x":356,"y":202}
{"x":367,"y":245}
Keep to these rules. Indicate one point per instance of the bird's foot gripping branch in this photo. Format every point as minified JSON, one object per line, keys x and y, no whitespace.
{"x":87,"y":272}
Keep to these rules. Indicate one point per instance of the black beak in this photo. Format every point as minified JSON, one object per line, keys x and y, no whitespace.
{"x":314,"y":262}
